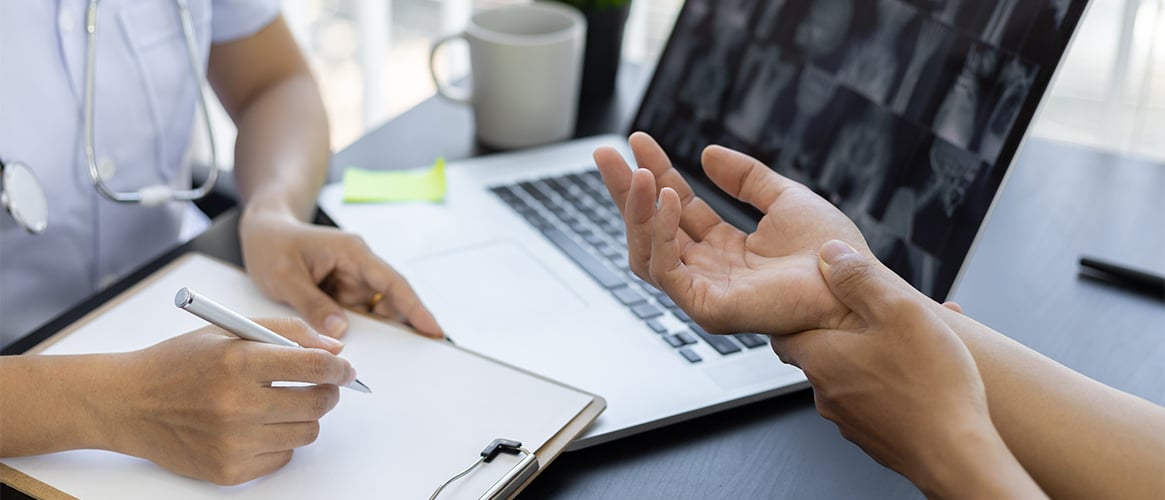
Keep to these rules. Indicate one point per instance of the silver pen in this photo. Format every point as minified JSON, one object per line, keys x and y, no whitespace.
{"x":238,"y":325}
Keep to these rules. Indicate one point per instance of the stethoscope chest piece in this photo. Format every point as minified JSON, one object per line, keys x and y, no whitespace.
{"x":23,"y":197}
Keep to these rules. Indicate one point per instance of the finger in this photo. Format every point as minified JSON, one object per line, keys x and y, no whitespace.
{"x":399,"y":294}
{"x":860,"y":283}
{"x":258,"y":466}
{"x":301,"y":333}
{"x":798,"y":349}
{"x":667,"y":269}
{"x":616,"y":175}
{"x":281,"y":405}
{"x":269,"y":363}
{"x":697,"y":217}
{"x":319,"y":309}
{"x":348,"y":289}
{"x":954,"y":306}
{"x":744,"y":177}
{"x":286,"y":436}
{"x":638,"y":220}
{"x":244,"y":469}
{"x":380,"y":307}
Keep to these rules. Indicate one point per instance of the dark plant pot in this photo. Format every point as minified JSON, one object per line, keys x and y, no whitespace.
{"x":604,"y":49}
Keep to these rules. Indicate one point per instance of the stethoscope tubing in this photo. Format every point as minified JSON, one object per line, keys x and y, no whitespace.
{"x":157,"y":194}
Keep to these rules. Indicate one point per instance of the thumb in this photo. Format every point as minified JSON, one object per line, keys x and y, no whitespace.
{"x":856,"y":280}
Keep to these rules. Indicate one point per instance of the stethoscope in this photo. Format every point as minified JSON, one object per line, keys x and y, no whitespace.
{"x":20,"y":191}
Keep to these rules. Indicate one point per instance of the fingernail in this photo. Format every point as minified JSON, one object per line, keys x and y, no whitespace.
{"x":331,"y":341}
{"x":834,"y":250}
{"x":335,"y":325}
{"x":351,"y":374}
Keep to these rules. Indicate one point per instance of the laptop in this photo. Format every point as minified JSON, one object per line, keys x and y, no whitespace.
{"x":905,"y":114}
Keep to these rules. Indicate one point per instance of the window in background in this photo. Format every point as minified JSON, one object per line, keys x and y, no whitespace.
{"x":1110,"y":92}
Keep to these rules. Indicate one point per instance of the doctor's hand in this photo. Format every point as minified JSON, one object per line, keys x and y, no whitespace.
{"x":725,"y":279}
{"x":903,"y":386}
{"x":317,"y":270}
{"x":201,"y":404}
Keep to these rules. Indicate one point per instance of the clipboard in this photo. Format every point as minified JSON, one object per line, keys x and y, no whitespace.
{"x":430,"y":422}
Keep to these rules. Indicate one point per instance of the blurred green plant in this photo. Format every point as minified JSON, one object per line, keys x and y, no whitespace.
{"x":595,"y":4}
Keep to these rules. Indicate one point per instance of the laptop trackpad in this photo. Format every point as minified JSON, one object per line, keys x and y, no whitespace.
{"x":757,"y":370}
{"x":499,"y":282}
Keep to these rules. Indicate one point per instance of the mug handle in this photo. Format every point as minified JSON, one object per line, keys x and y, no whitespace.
{"x":464,"y":97}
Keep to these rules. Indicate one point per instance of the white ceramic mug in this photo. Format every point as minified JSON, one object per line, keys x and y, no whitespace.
{"x":526,"y":66}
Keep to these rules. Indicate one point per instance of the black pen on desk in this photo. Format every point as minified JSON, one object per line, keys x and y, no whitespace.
{"x":218,"y":315}
{"x":1124,"y":276}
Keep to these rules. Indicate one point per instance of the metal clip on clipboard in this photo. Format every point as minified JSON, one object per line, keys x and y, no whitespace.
{"x":509,"y":483}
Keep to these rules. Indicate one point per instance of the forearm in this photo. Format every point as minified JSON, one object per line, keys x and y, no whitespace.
{"x":53,"y":403}
{"x":974,"y":463}
{"x":281,"y":154}
{"x":1077,"y":437}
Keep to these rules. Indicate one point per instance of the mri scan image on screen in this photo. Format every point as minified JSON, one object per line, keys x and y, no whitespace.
{"x":903,"y":113}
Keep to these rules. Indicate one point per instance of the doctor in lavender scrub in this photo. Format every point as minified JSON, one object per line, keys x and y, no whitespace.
{"x":99,"y":101}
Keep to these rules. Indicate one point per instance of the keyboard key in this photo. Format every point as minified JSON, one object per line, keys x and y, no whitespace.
{"x":680,"y":314}
{"x":563,"y":190}
{"x":752,"y":340}
{"x":613,"y":253}
{"x":656,"y":326}
{"x":504,"y":192}
{"x":666,"y":301}
{"x":534,"y":191}
{"x":722,"y":344}
{"x":596,"y":216}
{"x":691,"y":356}
{"x":575,"y":179}
{"x":523,"y":209}
{"x":628,"y":296}
{"x":605,"y":277}
{"x":537,"y":220}
{"x":636,"y":280}
{"x":674,"y":340}
{"x":646,"y":311}
{"x":655,"y":292}
{"x":687,"y":337}
{"x":595,"y":240}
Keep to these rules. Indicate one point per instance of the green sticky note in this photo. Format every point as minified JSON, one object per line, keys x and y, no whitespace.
{"x":366,"y":186}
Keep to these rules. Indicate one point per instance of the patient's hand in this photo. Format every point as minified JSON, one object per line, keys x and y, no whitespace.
{"x":725,"y":279}
{"x":904,"y":387}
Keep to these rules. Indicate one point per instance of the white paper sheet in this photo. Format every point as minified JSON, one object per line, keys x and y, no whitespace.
{"x":432,"y":410}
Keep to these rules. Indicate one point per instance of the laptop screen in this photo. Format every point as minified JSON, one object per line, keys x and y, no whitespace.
{"x":903,"y":113}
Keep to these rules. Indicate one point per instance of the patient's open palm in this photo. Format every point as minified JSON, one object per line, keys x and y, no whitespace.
{"x":727,"y":280}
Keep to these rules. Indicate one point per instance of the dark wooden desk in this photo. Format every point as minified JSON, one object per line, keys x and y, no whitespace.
{"x":1060,"y":201}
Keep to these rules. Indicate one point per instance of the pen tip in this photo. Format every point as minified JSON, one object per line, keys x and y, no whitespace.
{"x":359,"y":386}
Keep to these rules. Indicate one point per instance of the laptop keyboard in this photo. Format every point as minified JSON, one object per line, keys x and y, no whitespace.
{"x":576,"y":214}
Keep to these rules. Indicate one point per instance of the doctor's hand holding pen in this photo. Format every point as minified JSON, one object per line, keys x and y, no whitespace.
{"x":200,"y":404}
